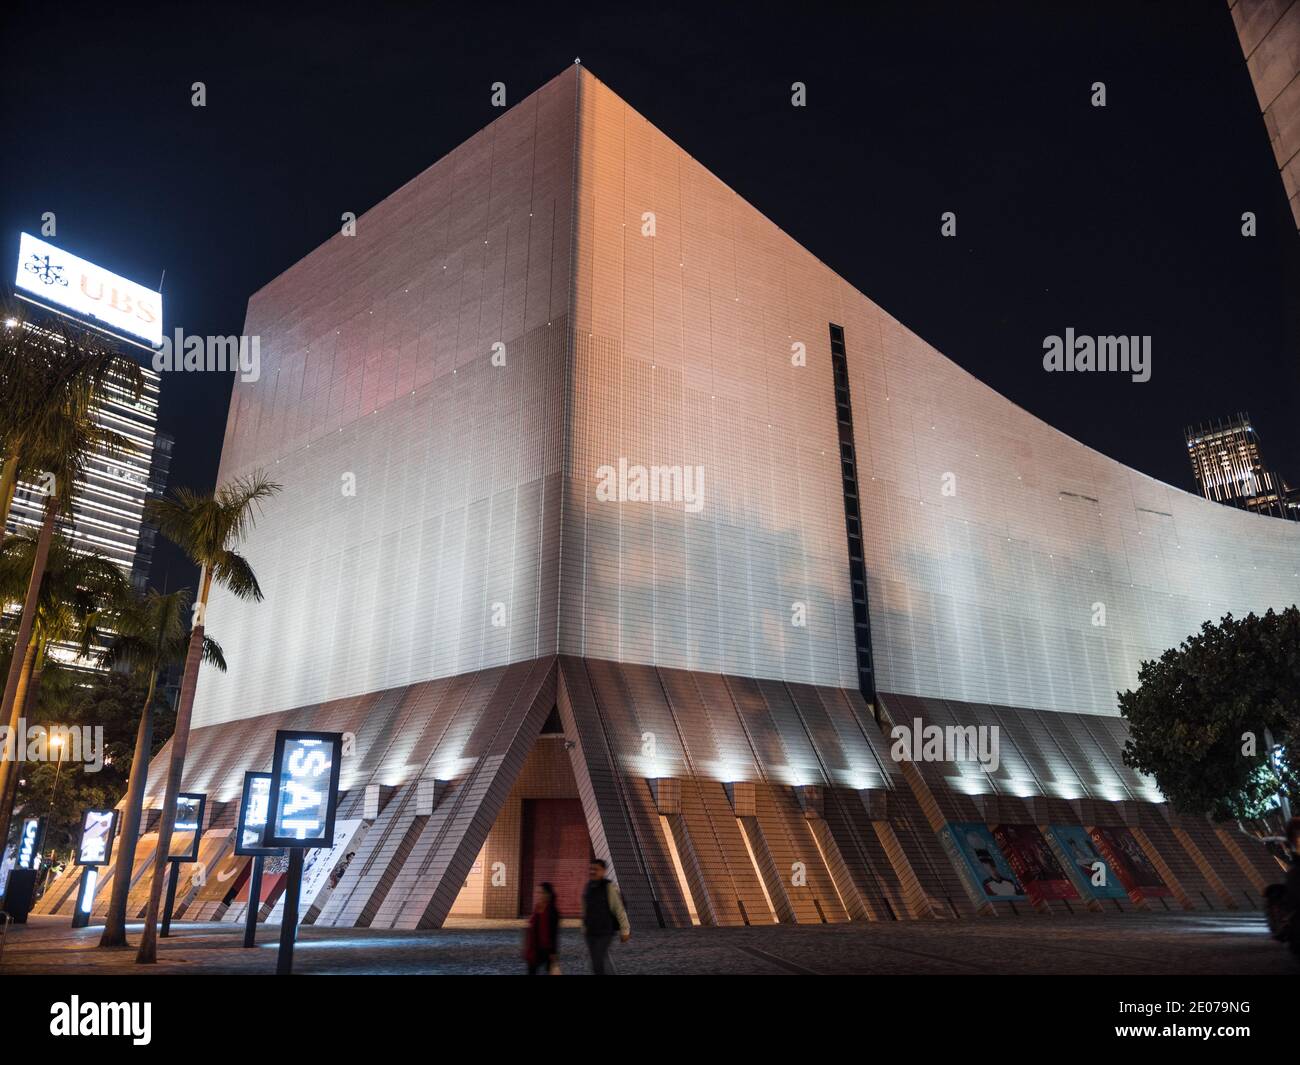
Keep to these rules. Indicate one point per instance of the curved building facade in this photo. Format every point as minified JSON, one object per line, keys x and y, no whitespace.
{"x":578,"y":445}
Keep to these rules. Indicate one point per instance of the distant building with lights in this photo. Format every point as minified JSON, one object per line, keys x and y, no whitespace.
{"x":1228,"y":467}
{"x":614,"y":521}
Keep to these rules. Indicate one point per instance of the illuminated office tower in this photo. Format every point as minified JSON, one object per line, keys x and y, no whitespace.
{"x":1226,"y":461}
{"x":108,"y":501}
{"x":612,"y":517}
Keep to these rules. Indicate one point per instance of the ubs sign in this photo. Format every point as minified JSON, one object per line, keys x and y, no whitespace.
{"x":53,"y":277}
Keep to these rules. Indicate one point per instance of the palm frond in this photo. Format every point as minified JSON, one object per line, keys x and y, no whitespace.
{"x":213,"y":655}
{"x":233,"y":572}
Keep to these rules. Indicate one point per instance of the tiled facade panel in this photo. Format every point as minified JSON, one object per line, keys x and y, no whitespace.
{"x":621,"y":813}
{"x":707,"y":731}
{"x":993,"y":542}
{"x":426,"y":887}
{"x":1269,"y":31}
{"x":377,"y":374}
{"x":682,"y":357}
{"x":1260,"y":868}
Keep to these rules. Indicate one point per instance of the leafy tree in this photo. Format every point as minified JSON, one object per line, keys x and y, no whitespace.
{"x":76,"y":697}
{"x":1201,"y":716}
{"x":74,"y":589}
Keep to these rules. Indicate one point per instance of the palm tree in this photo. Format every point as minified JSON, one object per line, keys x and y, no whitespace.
{"x":74,"y":590}
{"x":54,"y":379}
{"x":207,"y":528}
{"x":150,"y":634}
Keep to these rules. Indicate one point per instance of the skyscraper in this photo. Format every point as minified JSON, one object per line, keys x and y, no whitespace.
{"x":108,"y":504}
{"x":1226,"y":462}
{"x":612,"y":518}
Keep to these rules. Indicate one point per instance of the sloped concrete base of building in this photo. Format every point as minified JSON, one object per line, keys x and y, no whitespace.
{"x":717,"y":800}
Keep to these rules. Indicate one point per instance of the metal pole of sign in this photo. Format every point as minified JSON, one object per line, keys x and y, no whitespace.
{"x":171,"y":899}
{"x":289,"y":924}
{"x":80,"y":911}
{"x":254,"y":903}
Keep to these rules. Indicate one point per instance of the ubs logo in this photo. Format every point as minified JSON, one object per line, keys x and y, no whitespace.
{"x":48,"y":273}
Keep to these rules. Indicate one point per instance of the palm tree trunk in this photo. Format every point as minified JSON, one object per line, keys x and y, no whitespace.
{"x":8,"y":485}
{"x":115,"y":924}
{"x":11,"y":708}
{"x":148,"y":952}
{"x":9,"y":788}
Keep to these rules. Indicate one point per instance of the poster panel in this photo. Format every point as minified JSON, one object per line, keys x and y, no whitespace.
{"x":227,"y":876}
{"x":992,"y":873}
{"x":1094,"y":872}
{"x":318,"y":867}
{"x":1034,"y":863}
{"x":96,"y":844}
{"x":1125,"y":855}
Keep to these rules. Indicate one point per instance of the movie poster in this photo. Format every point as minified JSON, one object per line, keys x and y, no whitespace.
{"x":1034,"y":863}
{"x":993,"y":875}
{"x":1125,"y":855}
{"x":319,"y":864}
{"x":1083,"y":856}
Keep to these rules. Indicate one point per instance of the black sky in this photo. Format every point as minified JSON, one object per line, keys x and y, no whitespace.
{"x":1121,"y":220}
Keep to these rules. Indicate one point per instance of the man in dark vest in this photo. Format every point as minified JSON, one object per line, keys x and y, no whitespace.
{"x":603,"y":916}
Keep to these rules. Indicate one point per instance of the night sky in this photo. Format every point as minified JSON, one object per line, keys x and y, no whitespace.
{"x":1117,"y":220}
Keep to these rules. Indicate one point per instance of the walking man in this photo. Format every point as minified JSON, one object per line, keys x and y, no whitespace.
{"x":603,"y":916}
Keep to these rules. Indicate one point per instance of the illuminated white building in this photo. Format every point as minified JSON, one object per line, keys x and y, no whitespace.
{"x":448,"y":582}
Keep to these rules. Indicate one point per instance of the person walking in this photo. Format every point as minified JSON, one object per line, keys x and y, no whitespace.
{"x":603,"y":917}
{"x":542,"y":939}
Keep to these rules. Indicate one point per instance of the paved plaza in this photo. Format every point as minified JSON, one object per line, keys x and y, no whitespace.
{"x":1133,"y":944}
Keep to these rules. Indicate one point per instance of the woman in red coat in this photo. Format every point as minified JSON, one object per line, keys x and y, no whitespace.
{"x":542,"y":939}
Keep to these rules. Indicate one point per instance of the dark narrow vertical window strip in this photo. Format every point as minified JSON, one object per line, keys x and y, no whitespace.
{"x":853,"y":518}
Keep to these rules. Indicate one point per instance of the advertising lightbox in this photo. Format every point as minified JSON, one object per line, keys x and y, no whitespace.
{"x":77,"y":287}
{"x":188,"y":827}
{"x":304,"y":789}
{"x":253,"y":807}
{"x":29,"y":842}
{"x":96,"y":844}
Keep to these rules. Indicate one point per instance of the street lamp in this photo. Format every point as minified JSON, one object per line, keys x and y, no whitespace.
{"x":56,"y":742}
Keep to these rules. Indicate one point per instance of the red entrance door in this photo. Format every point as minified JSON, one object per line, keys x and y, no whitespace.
{"x":556,"y":848}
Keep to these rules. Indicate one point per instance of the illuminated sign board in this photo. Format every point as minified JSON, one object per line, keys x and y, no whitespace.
{"x":58,"y":279}
{"x":304,"y":789}
{"x":188,"y":827}
{"x":29,"y":842}
{"x":252,"y":815}
{"x":96,"y":844}
{"x":87,"y":899}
